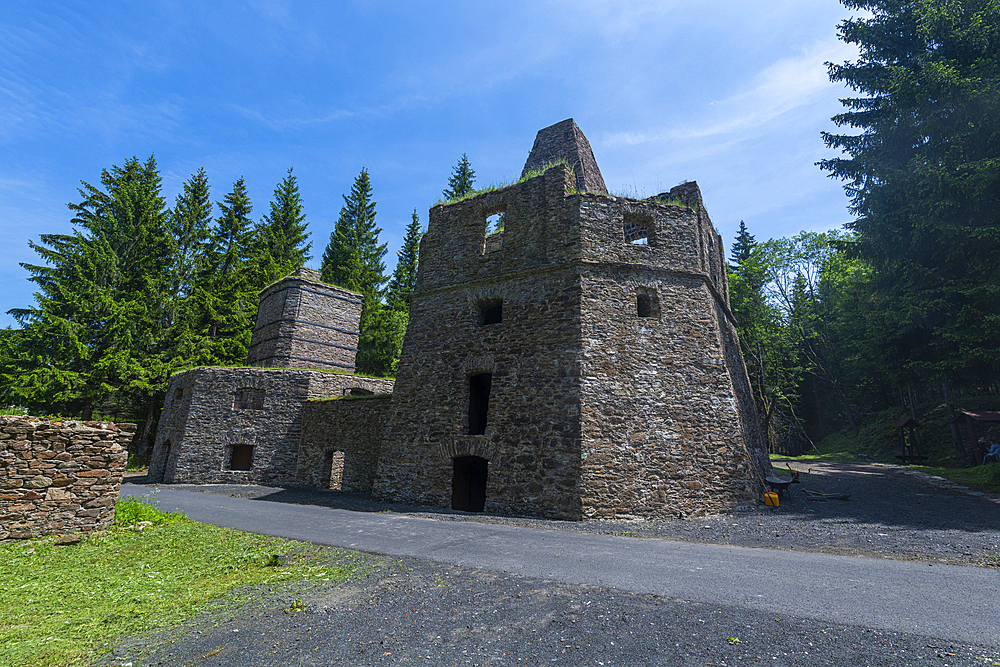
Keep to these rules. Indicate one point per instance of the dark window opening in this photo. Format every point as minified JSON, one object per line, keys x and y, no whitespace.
{"x":479,"y":402}
{"x":249,"y":399}
{"x":468,"y":483}
{"x":491,"y":312}
{"x":638,"y":229}
{"x":178,"y":395}
{"x":332,"y":474}
{"x":241,"y":458}
{"x":647,"y":305}
{"x":358,"y":391}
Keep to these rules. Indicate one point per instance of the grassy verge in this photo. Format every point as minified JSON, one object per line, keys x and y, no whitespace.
{"x":62,"y":605}
{"x":982,"y":478}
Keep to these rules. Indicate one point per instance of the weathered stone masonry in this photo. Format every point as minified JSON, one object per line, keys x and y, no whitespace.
{"x":581,"y":363}
{"x":213,"y":414}
{"x":59,"y":477}
{"x":341,"y":442}
{"x":595,"y":334}
{"x":305,"y":323}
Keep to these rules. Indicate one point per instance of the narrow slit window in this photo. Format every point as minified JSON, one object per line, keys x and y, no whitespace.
{"x":491,"y":312}
{"x":479,"y":402}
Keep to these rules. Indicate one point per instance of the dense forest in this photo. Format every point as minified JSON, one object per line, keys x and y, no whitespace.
{"x":897,"y":314}
{"x":901,"y":311}
{"x":140,"y":291}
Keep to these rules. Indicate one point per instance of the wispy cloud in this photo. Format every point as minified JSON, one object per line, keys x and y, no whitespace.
{"x":774,"y":92}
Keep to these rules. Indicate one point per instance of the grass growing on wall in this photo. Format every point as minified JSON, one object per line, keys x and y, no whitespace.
{"x":63,"y":605}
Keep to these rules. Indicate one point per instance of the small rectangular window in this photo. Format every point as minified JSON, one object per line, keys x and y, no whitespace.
{"x":241,"y":458}
{"x":178,"y":395}
{"x":249,"y":399}
{"x":491,"y":312}
{"x":479,"y":402}
{"x":638,"y":229}
{"x":647,"y":305}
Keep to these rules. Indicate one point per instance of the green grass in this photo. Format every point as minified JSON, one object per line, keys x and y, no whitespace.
{"x":982,"y":478}
{"x":65,"y":605}
{"x":499,"y":185}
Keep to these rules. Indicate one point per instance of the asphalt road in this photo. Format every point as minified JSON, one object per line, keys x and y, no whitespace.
{"x":951,"y":603}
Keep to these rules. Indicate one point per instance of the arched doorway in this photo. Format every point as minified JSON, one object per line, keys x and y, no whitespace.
{"x":468,"y":483}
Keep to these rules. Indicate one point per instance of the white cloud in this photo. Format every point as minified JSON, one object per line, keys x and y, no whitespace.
{"x":775,"y":91}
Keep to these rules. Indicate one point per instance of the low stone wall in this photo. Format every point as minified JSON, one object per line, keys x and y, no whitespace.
{"x":351,"y":426}
{"x":59,"y":477}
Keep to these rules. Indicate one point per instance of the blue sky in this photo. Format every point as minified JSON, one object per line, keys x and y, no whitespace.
{"x":731,"y":94}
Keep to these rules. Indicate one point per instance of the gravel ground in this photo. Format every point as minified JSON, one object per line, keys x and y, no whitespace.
{"x":419,"y":612}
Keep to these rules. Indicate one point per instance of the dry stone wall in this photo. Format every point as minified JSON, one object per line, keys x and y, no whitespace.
{"x":59,"y":477}
{"x":212,"y":415}
{"x":351,"y":427}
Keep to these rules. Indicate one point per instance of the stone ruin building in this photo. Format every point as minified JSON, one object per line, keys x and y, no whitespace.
{"x":244,"y":425}
{"x":579,"y":361}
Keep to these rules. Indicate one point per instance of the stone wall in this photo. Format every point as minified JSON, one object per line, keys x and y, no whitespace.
{"x":352,"y":427}
{"x":59,"y":477}
{"x":617,"y":388}
{"x":565,"y":141}
{"x":305,"y":323}
{"x":210,"y":414}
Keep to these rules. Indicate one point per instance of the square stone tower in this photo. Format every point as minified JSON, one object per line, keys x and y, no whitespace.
{"x":580,"y":363}
{"x":304,"y":323}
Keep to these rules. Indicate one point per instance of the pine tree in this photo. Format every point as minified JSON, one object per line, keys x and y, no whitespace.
{"x":190,"y":228}
{"x":404,"y":277}
{"x":229,"y":282}
{"x":283,"y":234}
{"x":461,"y":180}
{"x":353,"y":257}
{"x":922,"y":179}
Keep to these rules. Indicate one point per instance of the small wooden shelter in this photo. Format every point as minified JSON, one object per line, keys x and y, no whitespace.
{"x":909,"y":436}
{"x":978,"y":421}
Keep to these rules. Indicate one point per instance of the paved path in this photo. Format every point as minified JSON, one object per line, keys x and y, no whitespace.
{"x":947,"y":602}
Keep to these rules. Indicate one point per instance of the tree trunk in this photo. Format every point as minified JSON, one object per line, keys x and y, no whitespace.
{"x":147,"y":426}
{"x":956,"y":437}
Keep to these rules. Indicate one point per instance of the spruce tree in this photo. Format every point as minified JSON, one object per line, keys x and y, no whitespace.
{"x":353,"y":257}
{"x":190,"y":228}
{"x":283,"y":234}
{"x":230,"y":281}
{"x":742,"y":246}
{"x":404,"y":277}
{"x":920,"y":169}
{"x":461,"y":180}
{"x":98,"y":333}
